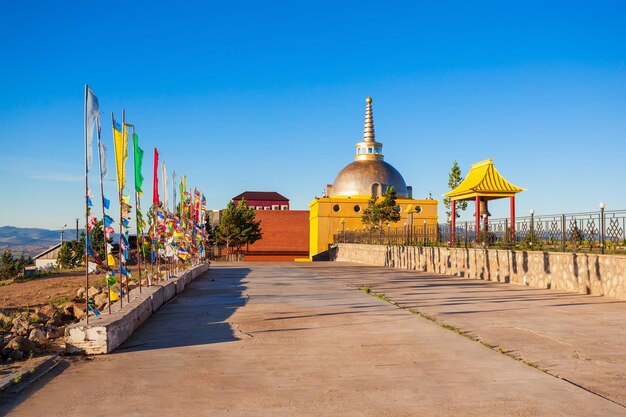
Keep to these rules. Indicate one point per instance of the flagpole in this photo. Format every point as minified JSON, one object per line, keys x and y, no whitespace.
{"x":86,"y":215}
{"x":119,"y":195}
{"x":137,"y":213}
{"x":106,"y":255}
{"x":121,"y":208}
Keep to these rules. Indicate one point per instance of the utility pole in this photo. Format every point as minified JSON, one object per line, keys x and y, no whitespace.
{"x":77,"y":230}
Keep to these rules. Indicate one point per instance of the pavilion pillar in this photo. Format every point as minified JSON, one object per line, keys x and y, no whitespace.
{"x":453,"y":223}
{"x":512,"y":204}
{"x":477,"y":215}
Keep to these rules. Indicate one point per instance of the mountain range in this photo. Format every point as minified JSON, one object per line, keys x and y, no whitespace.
{"x":31,"y":241}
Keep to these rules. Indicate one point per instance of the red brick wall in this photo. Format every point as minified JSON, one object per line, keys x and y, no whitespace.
{"x":285,"y":236}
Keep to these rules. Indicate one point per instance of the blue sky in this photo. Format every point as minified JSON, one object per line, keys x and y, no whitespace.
{"x":270,"y":96}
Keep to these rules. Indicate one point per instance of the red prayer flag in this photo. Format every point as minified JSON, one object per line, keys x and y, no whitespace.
{"x":155,"y":183}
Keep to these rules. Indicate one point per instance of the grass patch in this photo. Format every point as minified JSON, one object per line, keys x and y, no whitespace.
{"x":58,"y":302}
{"x":17,"y":380}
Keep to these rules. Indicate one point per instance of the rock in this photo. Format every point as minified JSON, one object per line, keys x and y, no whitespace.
{"x":101,"y":300}
{"x":21,"y":343}
{"x":21,"y":325}
{"x":54,"y":332}
{"x":38,"y":317}
{"x":49,"y":311}
{"x":80,"y":293}
{"x":16,"y":355}
{"x":5,"y":319}
{"x":93,"y":291}
{"x":6,"y":351}
{"x":55,"y":321}
{"x":74,"y":309}
{"x":38,"y":336}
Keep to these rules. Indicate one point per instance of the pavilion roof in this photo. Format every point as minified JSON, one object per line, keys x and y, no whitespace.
{"x":483,"y":180}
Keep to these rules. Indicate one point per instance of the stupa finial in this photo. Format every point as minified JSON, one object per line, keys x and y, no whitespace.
{"x":368,"y":131}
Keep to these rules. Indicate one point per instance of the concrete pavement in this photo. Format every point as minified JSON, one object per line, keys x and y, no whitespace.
{"x":287,"y":340}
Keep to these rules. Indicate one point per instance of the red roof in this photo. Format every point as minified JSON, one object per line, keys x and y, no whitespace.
{"x":261,"y":195}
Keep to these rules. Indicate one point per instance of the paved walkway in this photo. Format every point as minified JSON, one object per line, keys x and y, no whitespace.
{"x":294,"y":340}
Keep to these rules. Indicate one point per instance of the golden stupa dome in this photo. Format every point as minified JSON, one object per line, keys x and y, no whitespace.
{"x":369,"y":173}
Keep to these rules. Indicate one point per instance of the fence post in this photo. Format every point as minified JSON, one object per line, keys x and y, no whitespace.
{"x":532,"y":229}
{"x":602,"y":232}
{"x":465,"y":235}
{"x":563,"y":231}
{"x":425,"y":238}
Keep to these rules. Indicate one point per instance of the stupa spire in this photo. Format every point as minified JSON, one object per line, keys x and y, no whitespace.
{"x":368,"y":131}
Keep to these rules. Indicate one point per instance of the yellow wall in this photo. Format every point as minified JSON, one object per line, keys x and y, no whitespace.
{"x":325,"y":222}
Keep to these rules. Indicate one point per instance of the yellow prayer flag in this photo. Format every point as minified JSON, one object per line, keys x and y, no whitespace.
{"x":121,"y":154}
{"x":111,"y":260}
{"x":114,"y":296}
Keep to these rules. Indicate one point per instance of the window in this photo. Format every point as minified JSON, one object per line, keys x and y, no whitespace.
{"x":267,"y":208}
{"x":357,"y":208}
{"x":259,"y":207}
{"x":358,"y":151}
{"x":275,"y":207}
{"x":418,"y":209}
{"x":336,"y":208}
{"x":369,"y":150}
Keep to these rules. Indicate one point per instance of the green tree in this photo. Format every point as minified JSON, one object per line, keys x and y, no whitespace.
{"x":378,"y":213}
{"x":237,"y":227}
{"x":454,"y":179}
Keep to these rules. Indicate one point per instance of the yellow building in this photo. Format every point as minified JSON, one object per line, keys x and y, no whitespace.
{"x":347,"y":197}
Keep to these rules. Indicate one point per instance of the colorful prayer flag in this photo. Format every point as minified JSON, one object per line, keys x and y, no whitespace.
{"x":138,"y":158}
{"x":155,"y":178}
{"x":121,"y":153}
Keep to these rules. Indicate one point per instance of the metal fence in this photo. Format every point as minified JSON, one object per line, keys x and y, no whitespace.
{"x":601,"y":231}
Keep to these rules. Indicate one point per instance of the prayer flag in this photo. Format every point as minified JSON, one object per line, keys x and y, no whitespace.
{"x":111,"y":260}
{"x":106,"y":202}
{"x":92,"y":113}
{"x":138,"y":152}
{"x":120,"y":140}
{"x":155,"y":178}
{"x":102,"y":152}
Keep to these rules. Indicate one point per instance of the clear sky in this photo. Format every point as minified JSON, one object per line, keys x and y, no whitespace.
{"x":270,"y":96}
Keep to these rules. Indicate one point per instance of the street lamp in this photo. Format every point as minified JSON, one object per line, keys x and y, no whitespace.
{"x":63,"y":227}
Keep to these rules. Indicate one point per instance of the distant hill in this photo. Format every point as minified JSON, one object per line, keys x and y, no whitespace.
{"x":30,"y":241}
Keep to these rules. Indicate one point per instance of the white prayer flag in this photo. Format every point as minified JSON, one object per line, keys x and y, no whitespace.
{"x":92,"y":113}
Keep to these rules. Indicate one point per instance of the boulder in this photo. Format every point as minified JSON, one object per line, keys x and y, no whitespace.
{"x":21,"y":325}
{"x":93,"y":291}
{"x":74,"y":309}
{"x":49,"y":311}
{"x":5,"y":319}
{"x":38,"y":317}
{"x":21,"y":343}
{"x":54,"y":321}
{"x":6,"y":352}
{"x":54,"y":332}
{"x":101,"y":300}
{"x":80,"y":292}
{"x":38,"y":336}
{"x":16,"y":355}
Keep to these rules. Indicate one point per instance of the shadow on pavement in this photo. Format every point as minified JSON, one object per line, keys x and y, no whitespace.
{"x":198,"y":316}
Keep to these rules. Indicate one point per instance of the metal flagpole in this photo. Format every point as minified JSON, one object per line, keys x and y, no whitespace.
{"x":86,"y":216}
{"x":106,"y":251}
{"x":137,"y":215}
{"x":119,"y":194}
{"x":121,"y":202}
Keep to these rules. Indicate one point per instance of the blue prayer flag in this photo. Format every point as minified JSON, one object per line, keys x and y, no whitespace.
{"x":106,"y":202}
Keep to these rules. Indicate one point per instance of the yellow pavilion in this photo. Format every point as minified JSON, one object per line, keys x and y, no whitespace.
{"x":482,"y":184}
{"x":345,"y":199}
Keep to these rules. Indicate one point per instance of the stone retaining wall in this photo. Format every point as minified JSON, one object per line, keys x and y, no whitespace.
{"x":576,"y":272}
{"x":104,"y":334}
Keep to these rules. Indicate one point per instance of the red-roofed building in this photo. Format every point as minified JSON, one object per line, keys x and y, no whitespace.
{"x":263,"y":200}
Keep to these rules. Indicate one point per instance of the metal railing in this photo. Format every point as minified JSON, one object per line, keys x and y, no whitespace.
{"x":601,"y":231}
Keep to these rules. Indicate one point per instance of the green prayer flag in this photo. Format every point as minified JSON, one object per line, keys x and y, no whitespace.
{"x":138,"y":162}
